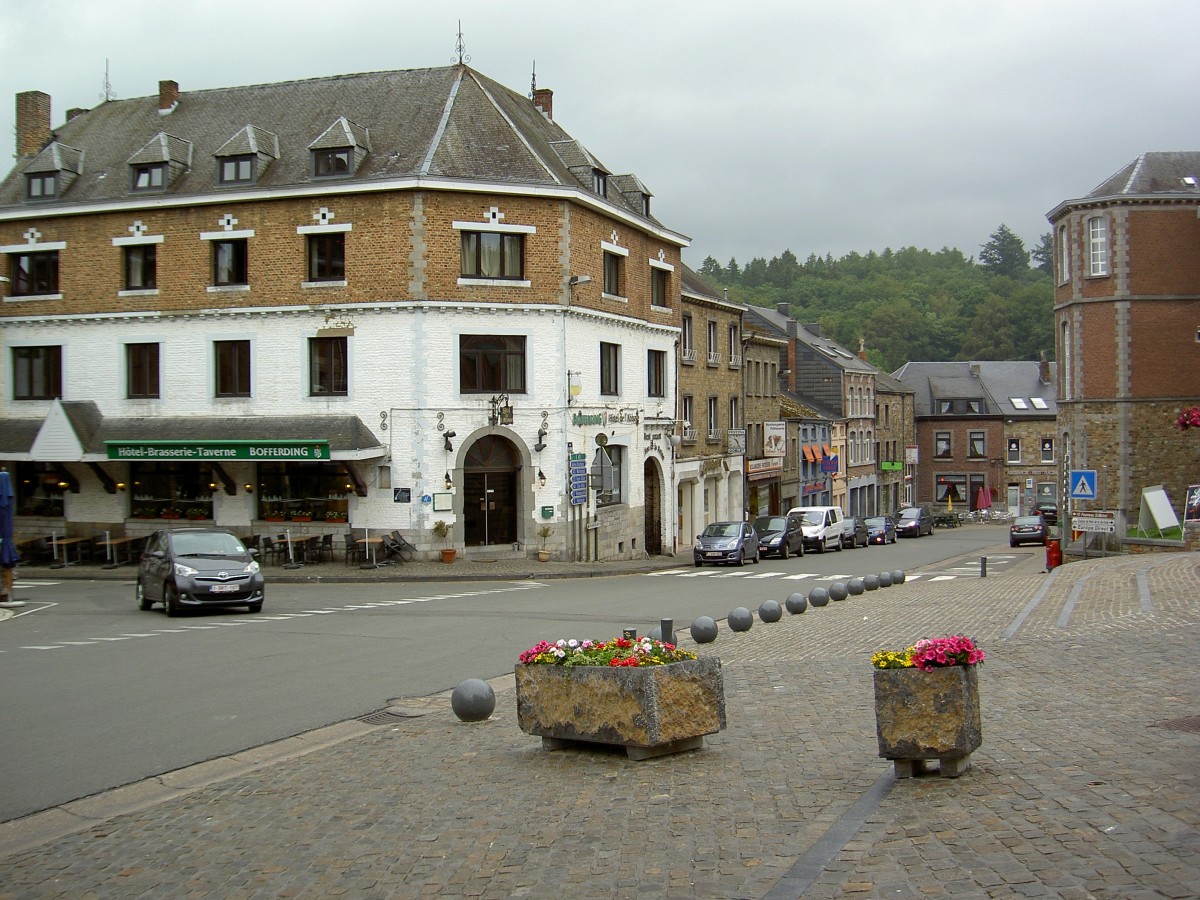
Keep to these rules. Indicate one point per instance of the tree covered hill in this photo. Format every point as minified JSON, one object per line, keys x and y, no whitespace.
{"x":912,"y":304}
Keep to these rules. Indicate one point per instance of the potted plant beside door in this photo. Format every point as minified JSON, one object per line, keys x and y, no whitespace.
{"x":442,"y":530}
{"x":544,"y":532}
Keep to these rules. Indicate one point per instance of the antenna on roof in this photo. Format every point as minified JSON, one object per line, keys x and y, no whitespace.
{"x":106,"y":91}
{"x":533,"y":81}
{"x":460,"y":47}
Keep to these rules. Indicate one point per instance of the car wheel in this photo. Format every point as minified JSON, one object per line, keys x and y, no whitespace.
{"x":757,"y":557}
{"x":140,"y":593}
{"x":254,"y":607}
{"x":698,"y":564}
{"x":783,"y":550}
{"x":840,"y":542}
{"x":1012,"y":543}
{"x":171,"y":601}
{"x":741,"y":560}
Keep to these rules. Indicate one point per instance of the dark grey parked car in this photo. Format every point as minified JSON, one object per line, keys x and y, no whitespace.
{"x":726,"y":542}
{"x":779,"y":536}
{"x":914,"y":521}
{"x":854,"y":532}
{"x":193,"y":568}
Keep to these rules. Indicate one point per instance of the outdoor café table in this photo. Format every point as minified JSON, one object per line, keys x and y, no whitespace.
{"x":372,"y":542}
{"x":115,"y":546}
{"x":63,"y":544}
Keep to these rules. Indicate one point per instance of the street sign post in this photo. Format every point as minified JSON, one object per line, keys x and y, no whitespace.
{"x":1095,"y":521}
{"x":1083,"y":484}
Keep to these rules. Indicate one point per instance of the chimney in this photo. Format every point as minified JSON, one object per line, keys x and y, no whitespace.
{"x":33,"y":122}
{"x":1043,"y":367}
{"x":784,"y":309}
{"x":543,"y":99}
{"x":75,"y":111}
{"x":862,"y":349}
{"x":168,"y":96}
{"x":813,"y":328}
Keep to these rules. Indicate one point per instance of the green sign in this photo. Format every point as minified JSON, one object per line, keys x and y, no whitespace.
{"x":892,"y":466}
{"x":196,"y":451}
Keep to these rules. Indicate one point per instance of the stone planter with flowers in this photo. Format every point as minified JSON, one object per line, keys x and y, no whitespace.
{"x":927,"y":705}
{"x":644,"y":695}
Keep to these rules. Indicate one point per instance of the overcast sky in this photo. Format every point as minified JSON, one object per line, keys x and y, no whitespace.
{"x":759,"y":126}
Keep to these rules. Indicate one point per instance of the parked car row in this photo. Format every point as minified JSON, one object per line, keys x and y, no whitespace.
{"x":801,"y":529}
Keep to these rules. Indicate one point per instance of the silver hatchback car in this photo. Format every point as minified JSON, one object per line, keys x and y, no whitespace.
{"x":726,"y":542}
{"x":193,"y":568}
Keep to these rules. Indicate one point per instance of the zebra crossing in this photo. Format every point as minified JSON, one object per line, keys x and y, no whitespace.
{"x":783,"y":576}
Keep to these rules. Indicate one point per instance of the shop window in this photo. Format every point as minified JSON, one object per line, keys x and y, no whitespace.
{"x":36,"y":490}
{"x":303,"y":491}
{"x":611,"y":498}
{"x":172,"y":490}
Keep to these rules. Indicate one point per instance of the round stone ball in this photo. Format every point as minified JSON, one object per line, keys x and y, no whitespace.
{"x":704,"y":630}
{"x":838,"y":591}
{"x":473,"y":700}
{"x":871,"y":582}
{"x":796,"y":603}
{"x":770,"y":611}
{"x":818,"y":597}
{"x":740,"y":619}
{"x":885,"y":579}
{"x":655,"y":633}
{"x":898,"y":576}
{"x":855,"y":586}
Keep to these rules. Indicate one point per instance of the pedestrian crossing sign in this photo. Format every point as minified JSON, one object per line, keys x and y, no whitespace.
{"x":1083,"y":484}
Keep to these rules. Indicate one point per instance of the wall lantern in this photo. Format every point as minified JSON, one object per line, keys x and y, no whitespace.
{"x":449,"y":482}
{"x":541,"y":478}
{"x":249,"y":488}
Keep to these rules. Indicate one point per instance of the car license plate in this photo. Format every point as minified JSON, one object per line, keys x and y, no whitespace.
{"x":224,"y":589}
{"x":713,"y":553}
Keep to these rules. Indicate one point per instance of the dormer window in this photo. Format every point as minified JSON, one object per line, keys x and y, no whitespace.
{"x":600,"y":182}
{"x":236,"y":170}
{"x":43,"y":186}
{"x":151,"y":177}
{"x":331,"y":163}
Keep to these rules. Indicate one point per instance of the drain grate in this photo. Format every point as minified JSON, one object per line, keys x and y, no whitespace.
{"x":392,"y":715}
{"x":1190,"y":724}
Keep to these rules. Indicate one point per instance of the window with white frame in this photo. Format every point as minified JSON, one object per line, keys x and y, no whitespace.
{"x":714,"y":352}
{"x":714,"y":431}
{"x":328,"y":374}
{"x":492,"y":250}
{"x":942,"y":446}
{"x":1048,"y":450}
{"x":1064,"y":255}
{"x":687,"y":348}
{"x":1097,"y":246}
{"x":142,"y":371}
{"x":232,"y":368}
{"x":37,"y":372}
{"x":976,"y":445}
{"x":687,"y":411}
{"x":1014,"y":450}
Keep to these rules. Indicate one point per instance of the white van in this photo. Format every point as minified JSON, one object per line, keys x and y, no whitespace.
{"x":822,"y":526}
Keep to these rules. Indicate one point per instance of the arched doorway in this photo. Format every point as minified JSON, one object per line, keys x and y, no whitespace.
{"x":490,"y":495}
{"x":653,"y":492}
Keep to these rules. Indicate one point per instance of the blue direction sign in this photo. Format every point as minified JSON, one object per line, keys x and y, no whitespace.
{"x":577,"y":466}
{"x":1083,"y":484}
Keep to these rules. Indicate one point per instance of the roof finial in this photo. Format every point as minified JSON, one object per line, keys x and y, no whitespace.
{"x":460,"y":47}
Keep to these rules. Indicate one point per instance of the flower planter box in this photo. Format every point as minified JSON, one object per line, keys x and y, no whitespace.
{"x":648,"y":710}
{"x":301,"y":518}
{"x":922,"y":716}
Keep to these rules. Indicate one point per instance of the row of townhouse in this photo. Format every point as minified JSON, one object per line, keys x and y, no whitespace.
{"x":378,"y":301}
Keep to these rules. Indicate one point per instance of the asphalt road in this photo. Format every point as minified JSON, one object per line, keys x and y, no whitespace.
{"x":99,"y":694}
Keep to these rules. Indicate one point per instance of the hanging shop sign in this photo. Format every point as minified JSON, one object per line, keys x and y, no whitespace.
{"x":196,"y":451}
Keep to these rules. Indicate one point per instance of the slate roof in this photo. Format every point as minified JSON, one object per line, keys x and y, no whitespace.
{"x":834,"y":352}
{"x":439,"y":123}
{"x":998,"y":382}
{"x":1152,"y":174}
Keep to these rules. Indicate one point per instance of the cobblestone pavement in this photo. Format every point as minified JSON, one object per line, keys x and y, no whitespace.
{"x":1087,"y":783}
